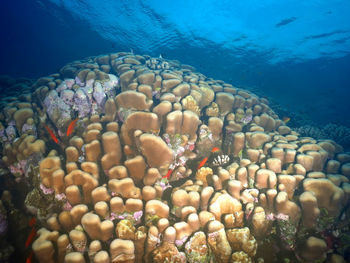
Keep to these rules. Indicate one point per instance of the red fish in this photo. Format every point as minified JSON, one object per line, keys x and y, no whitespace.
{"x":168,"y":174}
{"x":29,"y":259}
{"x":32,"y":222}
{"x":215,"y":149}
{"x":71,"y":127}
{"x":52,"y":135}
{"x":30,"y":237}
{"x":203,"y":162}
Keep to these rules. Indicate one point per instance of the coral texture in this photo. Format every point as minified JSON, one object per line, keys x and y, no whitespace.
{"x":163,"y":164}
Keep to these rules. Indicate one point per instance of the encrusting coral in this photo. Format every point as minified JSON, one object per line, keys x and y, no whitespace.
{"x":146,"y":160}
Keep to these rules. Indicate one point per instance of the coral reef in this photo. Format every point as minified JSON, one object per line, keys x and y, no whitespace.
{"x":167,"y":165}
{"x":337,"y":133}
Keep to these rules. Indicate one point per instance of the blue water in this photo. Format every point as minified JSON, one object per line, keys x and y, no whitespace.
{"x":297,"y":53}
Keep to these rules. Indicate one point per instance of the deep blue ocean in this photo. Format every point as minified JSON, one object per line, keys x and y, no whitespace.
{"x":296,"y":53}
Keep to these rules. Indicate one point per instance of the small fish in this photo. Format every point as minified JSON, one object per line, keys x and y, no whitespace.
{"x":202,"y":163}
{"x":221,"y":160}
{"x":30,"y":237}
{"x":29,"y":259}
{"x":168,"y":174}
{"x":52,"y":135}
{"x":215,"y":149}
{"x":286,"y":119}
{"x":32,"y":222}
{"x":71,"y":127}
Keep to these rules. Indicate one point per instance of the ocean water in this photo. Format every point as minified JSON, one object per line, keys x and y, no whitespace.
{"x":295,"y":54}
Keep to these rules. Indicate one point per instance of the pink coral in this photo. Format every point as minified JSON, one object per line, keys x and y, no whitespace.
{"x":46,"y":190}
{"x":181,"y":241}
{"x":113,"y":216}
{"x":281,"y":216}
{"x":122,"y":216}
{"x":270,"y":217}
{"x":164,"y":184}
{"x":18,"y":168}
{"x":190,"y":146}
{"x":67,"y":206}
{"x":138,"y":216}
{"x":27,"y":127}
{"x":60,"y":197}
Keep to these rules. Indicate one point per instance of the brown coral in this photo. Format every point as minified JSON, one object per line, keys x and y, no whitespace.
{"x":108,"y":180}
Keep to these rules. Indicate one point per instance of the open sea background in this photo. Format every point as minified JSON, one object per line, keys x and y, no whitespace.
{"x":296,"y":53}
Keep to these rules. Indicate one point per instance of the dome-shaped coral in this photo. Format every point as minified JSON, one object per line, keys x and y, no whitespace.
{"x":127,"y":187}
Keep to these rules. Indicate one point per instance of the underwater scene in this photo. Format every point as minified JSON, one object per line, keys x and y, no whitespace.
{"x":175,"y":131}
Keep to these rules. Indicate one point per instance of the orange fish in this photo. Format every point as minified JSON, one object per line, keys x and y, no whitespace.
{"x":52,"y":135}
{"x":30,"y":237}
{"x":29,"y":259}
{"x":71,"y":127}
{"x":286,"y":119}
{"x":168,"y":173}
{"x":32,"y":222}
{"x":215,"y":149}
{"x":202,"y":163}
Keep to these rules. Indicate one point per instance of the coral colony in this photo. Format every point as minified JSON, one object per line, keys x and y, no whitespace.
{"x":141,"y":159}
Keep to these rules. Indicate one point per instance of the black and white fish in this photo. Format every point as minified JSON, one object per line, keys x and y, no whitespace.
{"x":221,"y":160}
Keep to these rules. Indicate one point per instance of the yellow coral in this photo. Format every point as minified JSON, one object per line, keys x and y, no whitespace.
{"x":220,"y":246}
{"x":241,"y":239}
{"x":167,"y":252}
{"x":125,"y":230}
{"x":213,"y":110}
{"x":197,"y":248}
{"x":202,"y":173}
{"x":189,"y":103}
{"x":240,"y":257}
